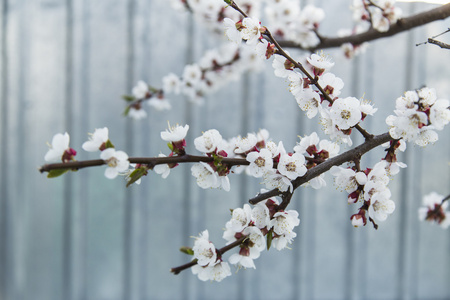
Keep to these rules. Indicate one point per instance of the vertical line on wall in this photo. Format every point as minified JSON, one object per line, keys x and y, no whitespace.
{"x":145,"y":196}
{"x":187,"y":290}
{"x":129,"y":241}
{"x":5,"y":258}
{"x":352,"y":256}
{"x":19,"y":231}
{"x":242,"y":285}
{"x":406,"y":290}
{"x":81,"y":288}
{"x":67,"y":222}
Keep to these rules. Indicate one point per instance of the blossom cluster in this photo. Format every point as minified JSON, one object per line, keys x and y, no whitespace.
{"x":257,"y":228}
{"x":264,"y":158}
{"x":418,"y":114}
{"x":117,"y":161}
{"x":379,"y":14}
{"x":141,"y":93}
{"x":215,"y":69}
{"x":289,"y":22}
{"x":211,"y":13}
{"x":434,"y":210}
{"x":370,"y":186}
{"x":322,"y":95}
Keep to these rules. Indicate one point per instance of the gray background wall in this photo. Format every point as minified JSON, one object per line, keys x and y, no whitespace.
{"x":64,"y":65}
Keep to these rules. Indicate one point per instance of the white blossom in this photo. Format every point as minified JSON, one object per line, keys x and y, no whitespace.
{"x":162,"y":169}
{"x":96,"y":140}
{"x":246,"y":144}
{"x":208,"y":142}
{"x":345,"y":112}
{"x":175,"y":133}
{"x":273,"y":180}
{"x":292,"y":166}
{"x":435,"y":210}
{"x":231,"y":31}
{"x":117,"y":162}
{"x":160,"y":103}
{"x":137,"y":113}
{"x":204,"y":250}
{"x":251,"y":31}
{"x":206,"y":176}
{"x":217,"y":272}
{"x":440,"y":114}
{"x":59,"y":146}
{"x":140,"y":90}
{"x":260,"y":162}
{"x":171,"y":83}
{"x":320,"y":63}
{"x":309,"y":100}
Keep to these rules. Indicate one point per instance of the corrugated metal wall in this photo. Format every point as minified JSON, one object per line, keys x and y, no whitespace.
{"x":64,"y":65}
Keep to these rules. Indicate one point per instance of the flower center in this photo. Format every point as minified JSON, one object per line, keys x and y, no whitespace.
{"x":345,"y":114}
{"x":112,"y":162}
{"x":260,"y":162}
{"x":290,"y":167}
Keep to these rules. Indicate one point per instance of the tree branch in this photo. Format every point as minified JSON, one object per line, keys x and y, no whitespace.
{"x":150,"y":161}
{"x":404,"y":24}
{"x":220,"y":251}
{"x":439,"y":43}
{"x":350,"y":155}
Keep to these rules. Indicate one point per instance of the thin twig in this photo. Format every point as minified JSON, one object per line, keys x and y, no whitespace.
{"x":220,"y":251}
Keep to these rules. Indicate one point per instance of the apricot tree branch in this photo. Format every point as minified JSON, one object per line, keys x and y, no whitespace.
{"x":350,"y":155}
{"x":404,"y":24}
{"x":150,"y":161}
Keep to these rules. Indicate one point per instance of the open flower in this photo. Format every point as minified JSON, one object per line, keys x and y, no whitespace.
{"x":208,"y":142}
{"x":434,"y":210}
{"x":346,"y":112}
{"x":320,"y":63}
{"x":97,"y":140}
{"x":260,"y":162}
{"x":217,"y":272}
{"x":206,"y":176}
{"x":251,"y":31}
{"x":231,"y":31}
{"x":117,"y":162}
{"x":140,"y":91}
{"x":204,"y":250}
{"x":162,"y":169}
{"x":59,"y":149}
{"x":292,"y":166}
{"x":175,"y":133}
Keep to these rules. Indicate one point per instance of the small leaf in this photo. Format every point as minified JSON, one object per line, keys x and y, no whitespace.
{"x":108,"y":144}
{"x":128,"y":98}
{"x":126,"y":111}
{"x":187,"y":250}
{"x":269,"y":238}
{"x":56,"y":173}
{"x":170,"y":145}
{"x":136,"y":175}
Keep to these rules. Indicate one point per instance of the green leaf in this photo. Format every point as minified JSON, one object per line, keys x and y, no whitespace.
{"x":187,"y":250}
{"x":136,"y":175}
{"x":128,"y":98}
{"x":108,"y":144}
{"x":269,"y":238}
{"x":126,"y":111}
{"x":170,"y":145}
{"x":56,"y":173}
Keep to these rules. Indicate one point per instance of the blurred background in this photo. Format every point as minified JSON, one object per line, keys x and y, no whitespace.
{"x":64,"y":66}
